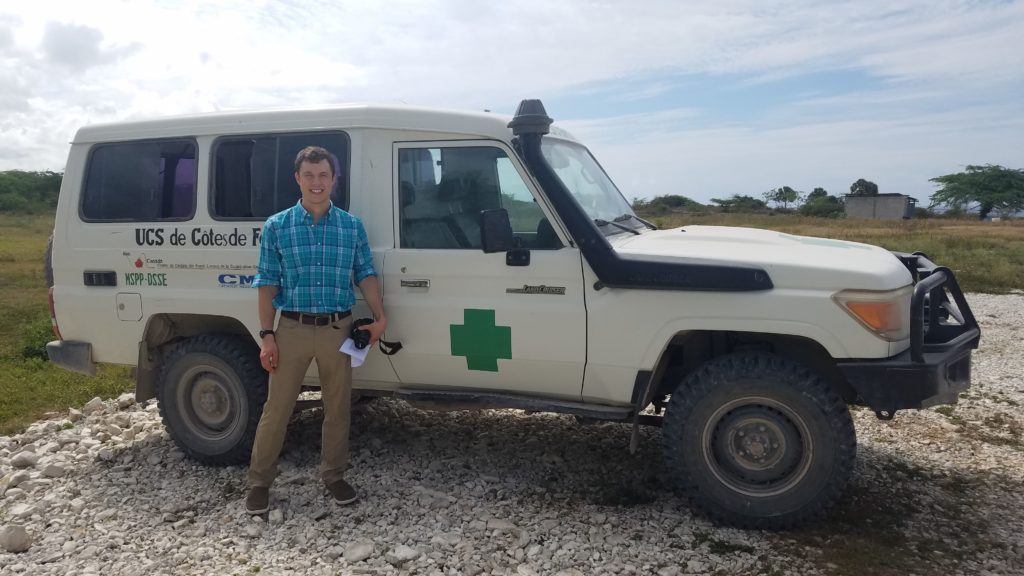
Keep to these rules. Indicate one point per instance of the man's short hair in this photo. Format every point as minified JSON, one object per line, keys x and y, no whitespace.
{"x":314,"y":155}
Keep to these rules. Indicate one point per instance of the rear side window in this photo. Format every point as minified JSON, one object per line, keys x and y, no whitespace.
{"x":140,"y":182}
{"x":254,"y":176}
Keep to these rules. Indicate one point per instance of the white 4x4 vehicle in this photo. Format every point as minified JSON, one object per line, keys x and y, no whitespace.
{"x":515,"y":275}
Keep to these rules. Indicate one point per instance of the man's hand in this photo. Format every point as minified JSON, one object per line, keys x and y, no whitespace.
{"x":371,"y":291}
{"x":268,"y":344}
{"x":268,"y":353}
{"x":376,"y":330}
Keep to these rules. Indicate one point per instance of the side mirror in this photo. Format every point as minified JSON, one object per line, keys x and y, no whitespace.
{"x":495,"y":231}
{"x":496,"y":236}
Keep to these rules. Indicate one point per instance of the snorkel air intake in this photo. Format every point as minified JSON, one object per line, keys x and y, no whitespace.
{"x":530,"y":118}
{"x":615,"y":270}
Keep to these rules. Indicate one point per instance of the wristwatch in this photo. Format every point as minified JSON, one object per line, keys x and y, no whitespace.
{"x":263,"y":333}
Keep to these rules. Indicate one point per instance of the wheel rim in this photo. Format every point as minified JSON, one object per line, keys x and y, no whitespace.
{"x":757,"y":446}
{"x":210,"y":401}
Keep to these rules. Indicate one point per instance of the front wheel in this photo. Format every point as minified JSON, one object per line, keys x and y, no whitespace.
{"x":758,"y":441}
{"x":211,"y":392}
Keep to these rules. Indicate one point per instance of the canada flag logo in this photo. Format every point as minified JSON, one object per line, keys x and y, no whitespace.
{"x":138,"y":260}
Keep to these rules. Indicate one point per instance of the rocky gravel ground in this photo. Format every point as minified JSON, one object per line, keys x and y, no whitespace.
{"x":104,"y":491}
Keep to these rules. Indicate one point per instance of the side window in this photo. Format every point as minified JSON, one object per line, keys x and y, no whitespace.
{"x":140,"y":182}
{"x":443,"y":190}
{"x":253,"y":176}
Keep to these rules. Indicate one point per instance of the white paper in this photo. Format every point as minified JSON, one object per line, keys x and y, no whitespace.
{"x":358,"y":356}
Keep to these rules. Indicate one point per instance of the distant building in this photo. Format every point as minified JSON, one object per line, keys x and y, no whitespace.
{"x":880,"y":206}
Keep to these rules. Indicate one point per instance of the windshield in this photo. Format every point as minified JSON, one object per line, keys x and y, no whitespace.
{"x":588,"y":183}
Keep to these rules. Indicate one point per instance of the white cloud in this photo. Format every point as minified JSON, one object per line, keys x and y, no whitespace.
{"x":78,"y":48}
{"x":6,"y":37}
{"x":952,"y":73}
{"x":632,"y":127}
{"x":900,"y":155}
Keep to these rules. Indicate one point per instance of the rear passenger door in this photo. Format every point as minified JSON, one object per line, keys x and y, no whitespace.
{"x":467,"y":319}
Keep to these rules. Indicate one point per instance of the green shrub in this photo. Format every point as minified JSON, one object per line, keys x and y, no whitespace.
{"x":35,"y":335}
{"x":740,"y":204}
{"x":668,"y":203}
{"x":823,"y":207}
{"x":13,"y":203}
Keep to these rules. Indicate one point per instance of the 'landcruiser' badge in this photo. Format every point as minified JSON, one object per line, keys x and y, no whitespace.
{"x":480,"y":341}
{"x":542,"y":289}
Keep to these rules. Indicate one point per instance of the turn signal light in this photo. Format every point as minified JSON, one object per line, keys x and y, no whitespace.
{"x":886,"y":314}
{"x":53,"y":316}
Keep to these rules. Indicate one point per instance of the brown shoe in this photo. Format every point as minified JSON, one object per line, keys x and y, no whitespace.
{"x":258,"y":500}
{"x":342,"y":492}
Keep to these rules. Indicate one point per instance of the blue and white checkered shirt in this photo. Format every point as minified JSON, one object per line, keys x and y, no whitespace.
{"x":314,"y":264}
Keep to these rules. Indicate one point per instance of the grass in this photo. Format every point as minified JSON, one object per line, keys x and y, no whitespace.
{"x":29,"y":385}
{"x":997,"y":430}
{"x":986,"y":256}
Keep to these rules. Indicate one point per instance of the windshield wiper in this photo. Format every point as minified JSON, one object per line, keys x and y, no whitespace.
{"x":601,"y":222}
{"x":627,"y":216}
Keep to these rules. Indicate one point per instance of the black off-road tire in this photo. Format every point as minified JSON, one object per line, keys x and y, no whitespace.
{"x":211,"y":392}
{"x":758,"y":441}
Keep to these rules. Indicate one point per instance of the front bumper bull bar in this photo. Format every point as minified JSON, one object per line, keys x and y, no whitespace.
{"x":937,"y":366}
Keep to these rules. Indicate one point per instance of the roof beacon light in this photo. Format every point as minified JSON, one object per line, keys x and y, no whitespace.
{"x":530,"y":118}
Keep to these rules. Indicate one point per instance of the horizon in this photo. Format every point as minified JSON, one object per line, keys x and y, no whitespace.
{"x":707,"y":100}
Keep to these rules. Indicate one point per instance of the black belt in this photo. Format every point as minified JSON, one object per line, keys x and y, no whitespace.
{"x":315,"y":319}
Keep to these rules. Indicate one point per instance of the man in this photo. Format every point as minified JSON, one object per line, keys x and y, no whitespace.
{"x":310,"y":256}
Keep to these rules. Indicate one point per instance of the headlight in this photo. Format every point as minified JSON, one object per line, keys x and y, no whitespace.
{"x":885,"y":314}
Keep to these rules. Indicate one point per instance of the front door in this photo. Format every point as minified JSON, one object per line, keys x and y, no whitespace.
{"x":467,"y":319}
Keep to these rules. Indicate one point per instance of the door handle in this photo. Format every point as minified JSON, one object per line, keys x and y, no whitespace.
{"x":415,"y":283}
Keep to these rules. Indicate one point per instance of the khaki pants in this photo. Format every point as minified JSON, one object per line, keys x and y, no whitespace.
{"x":297,"y":345}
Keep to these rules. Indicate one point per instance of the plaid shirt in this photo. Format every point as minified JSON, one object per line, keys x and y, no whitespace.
{"x":314,"y":264}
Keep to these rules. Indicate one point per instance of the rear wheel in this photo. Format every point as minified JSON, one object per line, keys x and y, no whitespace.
{"x":211,"y":392}
{"x":758,"y":441}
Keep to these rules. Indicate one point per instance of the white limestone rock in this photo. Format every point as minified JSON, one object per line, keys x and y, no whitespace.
{"x":14,"y":493}
{"x":14,"y":538}
{"x":358,"y":551}
{"x":18,"y":478}
{"x":125,"y":400}
{"x":401,"y":554}
{"x":25,"y":459}
{"x":22,"y":511}
{"x":500,"y":524}
{"x":54,"y":471}
{"x":93,"y":406}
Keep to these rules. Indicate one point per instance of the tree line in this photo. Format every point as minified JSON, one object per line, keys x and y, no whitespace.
{"x":985,"y":190}
{"x":817,"y":203}
{"x":29,"y":192}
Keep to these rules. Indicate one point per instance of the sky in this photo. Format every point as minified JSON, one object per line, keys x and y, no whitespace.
{"x":704,"y":98}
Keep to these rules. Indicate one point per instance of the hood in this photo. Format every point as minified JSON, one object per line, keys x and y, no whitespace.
{"x":791,"y":261}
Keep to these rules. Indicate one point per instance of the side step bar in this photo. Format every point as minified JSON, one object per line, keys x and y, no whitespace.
{"x":475,"y":400}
